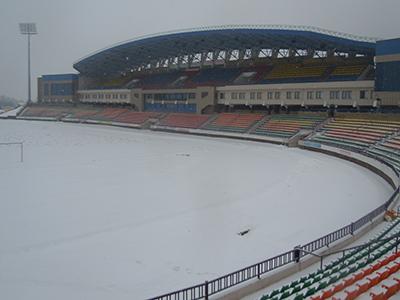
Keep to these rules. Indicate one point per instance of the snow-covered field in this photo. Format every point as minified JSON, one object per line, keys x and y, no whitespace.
{"x":110,"y":213}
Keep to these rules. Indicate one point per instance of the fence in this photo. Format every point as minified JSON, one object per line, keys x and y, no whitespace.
{"x":212,"y":287}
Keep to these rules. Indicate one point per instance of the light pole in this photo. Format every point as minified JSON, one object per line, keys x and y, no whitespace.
{"x":28,"y":29}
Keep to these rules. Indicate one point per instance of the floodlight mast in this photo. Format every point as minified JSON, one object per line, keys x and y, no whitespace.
{"x":28,"y":29}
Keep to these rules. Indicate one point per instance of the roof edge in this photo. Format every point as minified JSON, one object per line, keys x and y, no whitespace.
{"x":240,"y":26}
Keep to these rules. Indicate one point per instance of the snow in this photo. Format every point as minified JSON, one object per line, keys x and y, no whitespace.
{"x":97,"y":212}
{"x":11,"y":113}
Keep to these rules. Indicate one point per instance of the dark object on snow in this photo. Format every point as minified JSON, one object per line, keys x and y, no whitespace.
{"x":244,"y":232}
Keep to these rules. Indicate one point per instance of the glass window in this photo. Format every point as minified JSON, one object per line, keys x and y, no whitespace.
{"x":334,"y":94}
{"x":259,"y":95}
{"x":288,"y":95}
{"x":242,"y":96}
{"x":346,"y":94}
{"x":310,"y":95}
{"x":318,"y":95}
{"x":46,"y":89}
{"x":252,"y":95}
{"x":221,"y":96}
{"x":234,"y":96}
{"x":277,"y":95}
{"x":363,"y":95}
{"x":296,"y":95}
{"x":269,"y":95}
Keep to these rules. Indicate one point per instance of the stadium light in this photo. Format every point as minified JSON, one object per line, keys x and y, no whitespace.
{"x":28,"y":29}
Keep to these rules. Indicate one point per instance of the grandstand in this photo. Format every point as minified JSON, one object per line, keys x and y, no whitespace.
{"x":262,"y":83}
{"x":234,"y":122}
{"x":287,"y":126}
{"x":356,"y":134}
{"x":261,"y":67}
{"x":371,"y":270}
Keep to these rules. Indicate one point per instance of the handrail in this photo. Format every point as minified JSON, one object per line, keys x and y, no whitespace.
{"x":212,"y":287}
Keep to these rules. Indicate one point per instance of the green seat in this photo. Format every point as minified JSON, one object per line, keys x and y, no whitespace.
{"x":333,"y":279}
{"x":285,"y":295}
{"x":322,"y":285}
{"x":306,"y":284}
{"x":310,"y":292}
{"x":298,"y":297}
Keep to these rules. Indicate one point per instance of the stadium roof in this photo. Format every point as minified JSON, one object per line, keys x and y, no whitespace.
{"x":144,"y":50}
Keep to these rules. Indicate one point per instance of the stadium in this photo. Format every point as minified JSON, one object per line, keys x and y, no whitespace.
{"x":281,"y":128}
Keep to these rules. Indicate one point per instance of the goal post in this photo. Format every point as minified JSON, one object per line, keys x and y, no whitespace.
{"x":21,"y":147}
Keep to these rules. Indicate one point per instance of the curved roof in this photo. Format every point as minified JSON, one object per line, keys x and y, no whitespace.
{"x":133,"y":53}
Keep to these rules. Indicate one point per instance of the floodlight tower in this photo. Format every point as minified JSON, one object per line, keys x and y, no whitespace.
{"x":28,"y":29}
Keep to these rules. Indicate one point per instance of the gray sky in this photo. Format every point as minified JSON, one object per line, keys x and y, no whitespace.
{"x":71,"y":29}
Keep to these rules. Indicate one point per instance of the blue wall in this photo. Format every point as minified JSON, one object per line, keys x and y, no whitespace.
{"x":388,"y":76}
{"x":387,"y":47}
{"x":61,"y":89}
{"x":171,"y":107}
{"x":60,"y":77}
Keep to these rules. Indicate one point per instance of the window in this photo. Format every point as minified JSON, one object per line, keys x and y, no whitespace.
{"x":296,"y":95}
{"x":259,"y":95}
{"x":252,"y":95}
{"x":101,"y":96}
{"x":108,"y":96}
{"x":204,"y":94}
{"x":46,"y":89}
{"x":334,"y":94}
{"x":318,"y":95}
{"x":115,"y":96}
{"x":234,"y":96}
{"x":363,"y":94}
{"x":288,"y":95}
{"x":242,"y":96}
{"x":310,"y":95}
{"x":346,"y":94}
{"x":269,"y":95}
{"x":192,"y":95}
{"x":277,"y":95}
{"x":221,"y":96}
{"x":94,"y":96}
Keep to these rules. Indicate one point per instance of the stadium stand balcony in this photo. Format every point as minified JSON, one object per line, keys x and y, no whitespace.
{"x":161,"y":80}
{"x":133,"y":117}
{"x":108,"y":114}
{"x":355,"y":134}
{"x":293,"y":73}
{"x":115,"y":83}
{"x":347,"y":72}
{"x":388,"y":150}
{"x":358,"y":272}
{"x":286,"y":126}
{"x":234,"y":122}
{"x":182,"y":120}
{"x":215,"y":76}
{"x":45,"y":111}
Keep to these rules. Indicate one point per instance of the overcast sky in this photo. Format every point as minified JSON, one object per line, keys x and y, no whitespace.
{"x":71,"y":29}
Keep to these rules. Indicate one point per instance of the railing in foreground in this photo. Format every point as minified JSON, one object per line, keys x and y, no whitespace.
{"x":209,"y":288}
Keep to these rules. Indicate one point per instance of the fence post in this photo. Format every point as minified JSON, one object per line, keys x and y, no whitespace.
{"x":352,"y":228}
{"x":296,"y":253}
{"x":206,"y":290}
